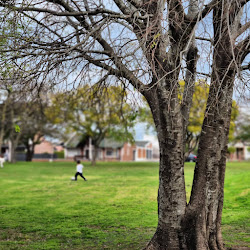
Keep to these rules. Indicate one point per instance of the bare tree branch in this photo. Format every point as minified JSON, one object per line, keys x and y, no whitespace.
{"x":112,"y":14}
{"x":136,"y":3}
{"x":204,"y":39}
{"x":245,"y":67}
{"x":242,"y":49}
{"x":206,"y":10}
{"x":242,"y":30}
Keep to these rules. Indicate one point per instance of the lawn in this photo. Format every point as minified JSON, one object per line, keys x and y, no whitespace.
{"x":40,"y":208}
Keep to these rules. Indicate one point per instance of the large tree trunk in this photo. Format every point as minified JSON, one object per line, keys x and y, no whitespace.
{"x":198,"y":224}
{"x":204,"y":211}
{"x":205,"y":208}
{"x":171,"y":193}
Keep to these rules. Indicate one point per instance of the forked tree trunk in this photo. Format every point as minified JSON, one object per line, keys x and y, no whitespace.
{"x":205,"y":208}
{"x":204,"y":211}
{"x":196,"y":225}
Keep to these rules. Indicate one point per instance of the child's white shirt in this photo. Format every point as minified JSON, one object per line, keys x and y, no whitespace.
{"x":79,"y":168}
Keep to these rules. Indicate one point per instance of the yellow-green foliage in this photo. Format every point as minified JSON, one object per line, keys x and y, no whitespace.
{"x":93,"y":110}
{"x":198,"y":105}
{"x":198,"y":108}
{"x":231,"y":149}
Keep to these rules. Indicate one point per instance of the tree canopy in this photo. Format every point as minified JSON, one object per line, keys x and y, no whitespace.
{"x":94,"y":112}
{"x":243,"y":126}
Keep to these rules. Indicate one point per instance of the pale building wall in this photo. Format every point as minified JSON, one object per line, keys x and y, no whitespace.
{"x":44,"y":147}
{"x":70,"y":153}
{"x":247,"y":153}
{"x":127,"y":152}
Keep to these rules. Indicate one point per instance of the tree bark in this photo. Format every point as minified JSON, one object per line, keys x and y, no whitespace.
{"x":171,"y":192}
{"x":205,"y":208}
{"x":198,"y":224}
{"x":206,"y":202}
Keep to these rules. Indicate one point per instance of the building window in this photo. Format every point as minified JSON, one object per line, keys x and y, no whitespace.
{"x":134,"y":155}
{"x":109,"y":152}
{"x":149,"y":154}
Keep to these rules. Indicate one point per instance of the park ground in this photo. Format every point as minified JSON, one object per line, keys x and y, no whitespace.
{"x":41,"y":208}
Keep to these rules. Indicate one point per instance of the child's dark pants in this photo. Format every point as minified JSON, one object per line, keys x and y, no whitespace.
{"x":77,"y":173}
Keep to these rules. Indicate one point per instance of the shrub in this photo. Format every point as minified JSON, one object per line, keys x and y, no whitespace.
{"x":60,"y":154}
{"x":231,"y":150}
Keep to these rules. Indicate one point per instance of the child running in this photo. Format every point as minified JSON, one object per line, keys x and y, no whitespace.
{"x":79,"y":168}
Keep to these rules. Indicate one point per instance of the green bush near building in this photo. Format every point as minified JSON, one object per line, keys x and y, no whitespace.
{"x":59,"y":154}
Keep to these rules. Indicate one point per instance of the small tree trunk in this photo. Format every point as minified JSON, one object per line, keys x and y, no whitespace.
{"x":29,"y":153}
{"x":93,"y":161}
{"x":11,"y":152}
{"x":3,"y":120}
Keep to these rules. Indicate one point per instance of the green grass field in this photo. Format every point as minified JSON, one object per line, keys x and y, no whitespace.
{"x":40,"y":208}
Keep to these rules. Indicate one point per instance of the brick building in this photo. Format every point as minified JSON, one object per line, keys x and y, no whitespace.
{"x":109,"y":150}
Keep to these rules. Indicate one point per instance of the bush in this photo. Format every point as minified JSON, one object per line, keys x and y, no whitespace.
{"x":231,"y":150}
{"x":60,"y":154}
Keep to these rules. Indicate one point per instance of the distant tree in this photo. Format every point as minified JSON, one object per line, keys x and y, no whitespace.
{"x":243,"y":127}
{"x":197,"y":113}
{"x":16,"y":103}
{"x":10,"y":117}
{"x":3,"y":107}
{"x":6,"y":32}
{"x":34,"y":125}
{"x":16,"y":83}
{"x":95,"y":113}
